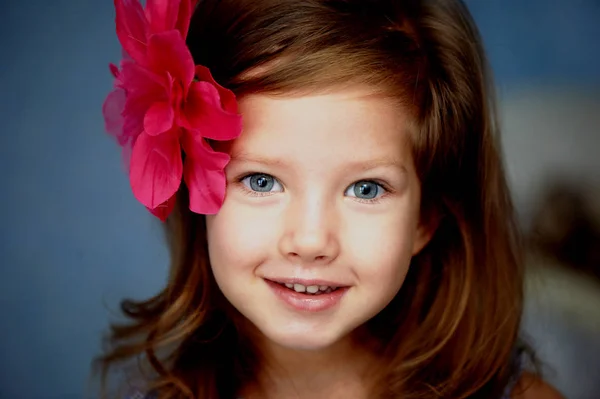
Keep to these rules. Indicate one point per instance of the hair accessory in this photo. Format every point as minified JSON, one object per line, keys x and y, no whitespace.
{"x":162,"y":104}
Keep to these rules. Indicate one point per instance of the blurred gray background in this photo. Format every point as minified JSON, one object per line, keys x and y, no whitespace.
{"x":74,"y":241}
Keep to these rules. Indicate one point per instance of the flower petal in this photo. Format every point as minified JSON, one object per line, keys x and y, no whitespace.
{"x":204,"y":113}
{"x":132,"y":28}
{"x":161,"y":14}
{"x":227,"y":96}
{"x":114,"y":70}
{"x":112,"y":110}
{"x":142,"y":89}
{"x":156,"y":168}
{"x":164,"y":210}
{"x":167,"y":51}
{"x":204,"y":174}
{"x":141,"y":82}
{"x":159,"y":118}
{"x":169,"y":15}
{"x":133,"y":126}
{"x":186,"y":10}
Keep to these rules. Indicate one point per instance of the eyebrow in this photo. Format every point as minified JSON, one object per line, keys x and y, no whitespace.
{"x":357,"y":165}
{"x":244,"y":157}
{"x":377,"y":163}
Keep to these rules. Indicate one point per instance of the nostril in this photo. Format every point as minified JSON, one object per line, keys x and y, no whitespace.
{"x":308,"y":258}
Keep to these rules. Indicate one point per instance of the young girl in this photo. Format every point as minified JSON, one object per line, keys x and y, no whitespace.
{"x":353,"y":237}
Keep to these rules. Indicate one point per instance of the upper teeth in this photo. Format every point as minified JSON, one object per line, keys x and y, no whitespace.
{"x":311,"y":289}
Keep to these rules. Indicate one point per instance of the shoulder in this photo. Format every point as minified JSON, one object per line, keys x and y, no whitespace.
{"x":138,"y":393}
{"x":531,"y":386}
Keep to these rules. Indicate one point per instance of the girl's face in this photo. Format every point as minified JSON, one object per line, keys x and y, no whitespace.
{"x":322,"y":193}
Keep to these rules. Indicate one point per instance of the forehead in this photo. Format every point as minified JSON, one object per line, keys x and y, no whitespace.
{"x":322,"y":128}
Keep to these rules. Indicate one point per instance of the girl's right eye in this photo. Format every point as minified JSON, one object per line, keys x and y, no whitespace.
{"x":261,"y":184}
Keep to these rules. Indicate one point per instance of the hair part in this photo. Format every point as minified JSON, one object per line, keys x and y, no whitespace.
{"x":452,"y":329}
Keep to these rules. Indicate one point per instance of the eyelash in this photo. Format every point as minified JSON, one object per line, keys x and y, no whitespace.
{"x":376,"y":200}
{"x":385,"y":187}
{"x":252,"y":193}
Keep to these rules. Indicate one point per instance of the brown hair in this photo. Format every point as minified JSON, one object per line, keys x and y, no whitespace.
{"x":452,"y":329}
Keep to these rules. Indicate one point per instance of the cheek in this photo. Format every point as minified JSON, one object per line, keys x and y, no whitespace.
{"x":382,"y":272}
{"x":383,"y":260}
{"x":382,"y":253}
{"x":237,"y":237}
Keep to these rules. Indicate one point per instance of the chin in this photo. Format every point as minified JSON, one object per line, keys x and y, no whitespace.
{"x":308,"y":338}
{"x":302,"y":343}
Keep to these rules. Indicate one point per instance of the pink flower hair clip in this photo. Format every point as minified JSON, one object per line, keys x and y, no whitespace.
{"x":163,"y":104}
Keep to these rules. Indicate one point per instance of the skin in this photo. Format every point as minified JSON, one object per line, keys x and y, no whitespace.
{"x":311,"y":223}
{"x":531,"y":386}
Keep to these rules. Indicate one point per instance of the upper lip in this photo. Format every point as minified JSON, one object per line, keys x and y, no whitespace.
{"x":306,"y":282}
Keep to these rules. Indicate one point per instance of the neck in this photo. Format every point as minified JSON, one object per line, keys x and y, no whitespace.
{"x":343,"y":370}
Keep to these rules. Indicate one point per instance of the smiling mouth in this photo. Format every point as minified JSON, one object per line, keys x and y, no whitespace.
{"x":308,"y":289}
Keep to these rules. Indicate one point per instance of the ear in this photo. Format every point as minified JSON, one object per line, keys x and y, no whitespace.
{"x":425,"y":231}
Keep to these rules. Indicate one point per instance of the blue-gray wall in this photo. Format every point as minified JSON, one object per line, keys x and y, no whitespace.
{"x":74,"y":240}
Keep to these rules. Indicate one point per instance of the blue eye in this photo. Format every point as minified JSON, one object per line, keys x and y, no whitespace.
{"x":365,"y":190}
{"x":261,"y":183}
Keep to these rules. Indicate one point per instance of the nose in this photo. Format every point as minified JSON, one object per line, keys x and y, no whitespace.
{"x":310,"y":233}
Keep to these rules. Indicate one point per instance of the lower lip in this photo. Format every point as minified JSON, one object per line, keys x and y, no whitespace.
{"x":307,"y":302}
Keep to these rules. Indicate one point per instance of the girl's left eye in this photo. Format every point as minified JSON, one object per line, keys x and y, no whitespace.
{"x":261,"y":183}
{"x":366,"y":190}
